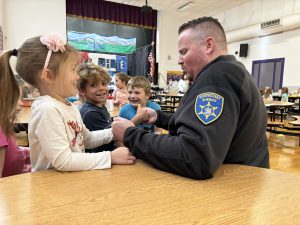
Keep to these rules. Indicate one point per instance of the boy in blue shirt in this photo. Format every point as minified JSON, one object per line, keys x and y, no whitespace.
{"x":138,"y":94}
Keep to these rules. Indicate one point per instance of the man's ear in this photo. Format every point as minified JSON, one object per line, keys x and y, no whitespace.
{"x":47,"y":76}
{"x":210,"y":45}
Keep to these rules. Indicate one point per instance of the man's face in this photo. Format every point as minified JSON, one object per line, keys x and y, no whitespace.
{"x":192,"y":57}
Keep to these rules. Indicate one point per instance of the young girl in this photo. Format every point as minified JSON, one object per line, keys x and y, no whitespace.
{"x":93,"y":86}
{"x":57,"y":135}
{"x":12,"y":158}
{"x":268,"y":94}
{"x":120,"y":95}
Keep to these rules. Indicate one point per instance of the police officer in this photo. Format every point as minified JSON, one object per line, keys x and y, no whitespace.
{"x":220,"y":119}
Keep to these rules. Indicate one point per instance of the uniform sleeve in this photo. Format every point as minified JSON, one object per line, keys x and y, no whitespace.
{"x":163,"y":119}
{"x":51,"y":133}
{"x":191,"y":149}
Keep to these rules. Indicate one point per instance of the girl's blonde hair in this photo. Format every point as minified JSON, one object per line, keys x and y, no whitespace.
{"x":140,"y":82}
{"x":9,"y":94}
{"x":268,"y":92}
{"x":31,"y":59}
{"x":123,"y":77}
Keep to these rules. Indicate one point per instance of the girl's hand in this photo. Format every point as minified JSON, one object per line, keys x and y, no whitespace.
{"x":122,"y":156}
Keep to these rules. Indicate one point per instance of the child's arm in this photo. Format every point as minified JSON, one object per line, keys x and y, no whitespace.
{"x":54,"y":142}
{"x":122,"y":155}
{"x":140,"y":116}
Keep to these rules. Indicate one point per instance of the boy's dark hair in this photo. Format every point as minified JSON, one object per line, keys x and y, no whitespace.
{"x":208,"y":23}
{"x":87,"y":71}
{"x":140,"y":82}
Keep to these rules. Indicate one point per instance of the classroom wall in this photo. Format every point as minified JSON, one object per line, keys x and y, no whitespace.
{"x":253,"y":12}
{"x":23,"y":19}
{"x":1,"y":13}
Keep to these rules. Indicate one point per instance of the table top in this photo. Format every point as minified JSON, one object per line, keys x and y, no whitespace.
{"x":140,"y":194}
{"x":269,"y":103}
{"x":24,"y":115}
{"x":170,"y":95}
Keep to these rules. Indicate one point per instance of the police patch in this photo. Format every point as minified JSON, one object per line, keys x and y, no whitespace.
{"x":208,"y":107}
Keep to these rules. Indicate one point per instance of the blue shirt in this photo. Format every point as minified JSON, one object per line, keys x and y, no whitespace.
{"x":128,"y":112}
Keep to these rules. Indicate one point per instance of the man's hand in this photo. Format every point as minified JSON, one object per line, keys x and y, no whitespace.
{"x":119,"y":127}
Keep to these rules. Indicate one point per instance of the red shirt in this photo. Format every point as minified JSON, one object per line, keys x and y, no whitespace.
{"x":14,"y":158}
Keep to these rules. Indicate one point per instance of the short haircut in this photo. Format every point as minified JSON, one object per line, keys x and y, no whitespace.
{"x":88,"y":71}
{"x":140,"y":82}
{"x":209,"y":25}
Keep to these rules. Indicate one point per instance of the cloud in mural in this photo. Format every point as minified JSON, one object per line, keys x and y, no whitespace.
{"x":97,"y":43}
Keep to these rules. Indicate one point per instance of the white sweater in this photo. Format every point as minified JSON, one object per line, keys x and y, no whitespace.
{"x":58,"y":138}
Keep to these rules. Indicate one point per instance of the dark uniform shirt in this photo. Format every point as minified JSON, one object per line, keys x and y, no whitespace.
{"x":96,"y":118}
{"x":201,"y":138}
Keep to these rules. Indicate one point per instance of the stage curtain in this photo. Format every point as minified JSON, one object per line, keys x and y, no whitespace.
{"x":111,"y":12}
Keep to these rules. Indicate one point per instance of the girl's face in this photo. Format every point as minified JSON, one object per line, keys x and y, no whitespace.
{"x":119,"y":83}
{"x":66,"y":79}
{"x":96,"y":92}
{"x":137,"y":96}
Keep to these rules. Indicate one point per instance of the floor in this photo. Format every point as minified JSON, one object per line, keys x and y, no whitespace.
{"x":284,"y":151}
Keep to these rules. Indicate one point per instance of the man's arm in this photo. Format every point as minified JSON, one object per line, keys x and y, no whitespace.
{"x":193,"y":149}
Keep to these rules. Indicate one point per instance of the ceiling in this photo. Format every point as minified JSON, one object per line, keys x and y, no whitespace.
{"x":199,"y":7}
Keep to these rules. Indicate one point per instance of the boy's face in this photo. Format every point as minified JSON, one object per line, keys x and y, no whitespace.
{"x":96,"y":92}
{"x":137,"y":96}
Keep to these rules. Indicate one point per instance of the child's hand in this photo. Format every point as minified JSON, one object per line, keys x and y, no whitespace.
{"x":140,"y":116}
{"x":122,"y":156}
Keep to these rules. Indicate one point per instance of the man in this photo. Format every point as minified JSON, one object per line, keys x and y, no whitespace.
{"x":220,"y":119}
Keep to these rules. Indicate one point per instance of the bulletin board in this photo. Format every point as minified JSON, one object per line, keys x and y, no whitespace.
{"x":173,"y":75}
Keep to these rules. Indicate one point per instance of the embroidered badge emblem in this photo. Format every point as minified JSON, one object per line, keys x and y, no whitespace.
{"x":208,"y":107}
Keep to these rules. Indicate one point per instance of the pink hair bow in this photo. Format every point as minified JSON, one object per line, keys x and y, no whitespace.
{"x":54,"y":43}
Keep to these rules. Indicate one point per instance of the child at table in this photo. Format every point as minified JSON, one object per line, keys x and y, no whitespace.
{"x":268,"y":94}
{"x":120,"y":95}
{"x":57,"y":135}
{"x":284,"y":94}
{"x":13,"y":159}
{"x":93,"y":86}
{"x":138,"y":94}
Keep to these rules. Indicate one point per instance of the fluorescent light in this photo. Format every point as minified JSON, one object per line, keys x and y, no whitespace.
{"x":185,"y":6}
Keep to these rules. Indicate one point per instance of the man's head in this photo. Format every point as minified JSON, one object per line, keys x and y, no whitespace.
{"x":138,"y":91}
{"x":200,"y":41}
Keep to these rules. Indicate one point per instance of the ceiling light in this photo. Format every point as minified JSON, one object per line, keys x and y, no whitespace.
{"x":185,"y":6}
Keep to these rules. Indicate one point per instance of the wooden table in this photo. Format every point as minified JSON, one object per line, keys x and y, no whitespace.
{"x":140,"y":194}
{"x":278,"y":105}
{"x":24,"y":115}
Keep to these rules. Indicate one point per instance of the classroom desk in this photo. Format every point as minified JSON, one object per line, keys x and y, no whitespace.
{"x":24,"y":116}
{"x":278,"y":105}
{"x":140,"y":194}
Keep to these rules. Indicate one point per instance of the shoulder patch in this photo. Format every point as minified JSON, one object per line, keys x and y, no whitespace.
{"x":209,"y":107}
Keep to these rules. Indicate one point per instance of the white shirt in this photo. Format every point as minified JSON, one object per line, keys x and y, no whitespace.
{"x":58,"y":138}
{"x":183,"y":85}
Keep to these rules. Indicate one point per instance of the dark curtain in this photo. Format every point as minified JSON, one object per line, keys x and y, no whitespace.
{"x":111,"y":12}
{"x":139,"y":65}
